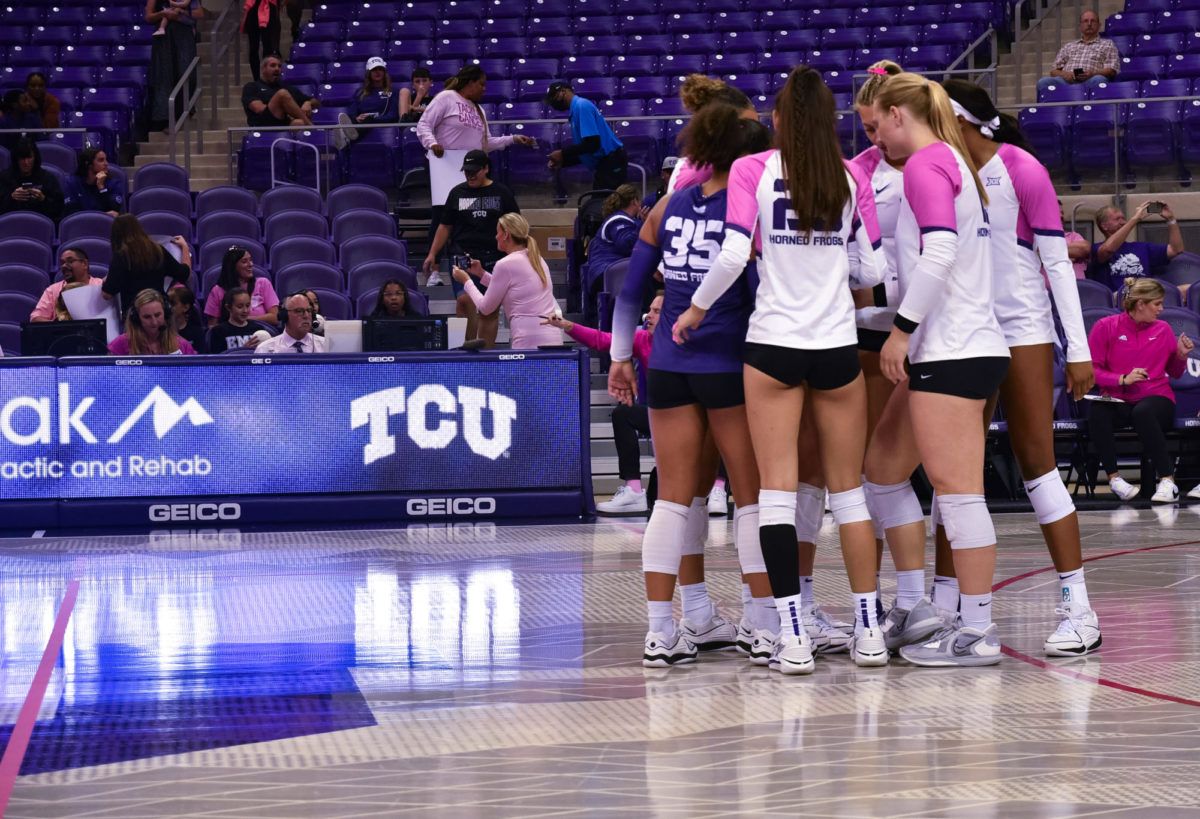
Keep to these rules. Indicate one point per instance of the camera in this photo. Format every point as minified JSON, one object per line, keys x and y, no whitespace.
{"x":1154,"y":207}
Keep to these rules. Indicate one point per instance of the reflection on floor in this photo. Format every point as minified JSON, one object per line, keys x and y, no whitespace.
{"x":493,"y":671}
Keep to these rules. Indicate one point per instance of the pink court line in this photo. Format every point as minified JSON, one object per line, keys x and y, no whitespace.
{"x":18,"y":742}
{"x":1069,"y":672}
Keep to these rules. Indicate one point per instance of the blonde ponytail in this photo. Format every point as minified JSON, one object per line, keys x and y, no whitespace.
{"x":517,"y":228}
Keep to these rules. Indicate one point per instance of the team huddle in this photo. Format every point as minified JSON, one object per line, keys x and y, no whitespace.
{"x":829,"y":325}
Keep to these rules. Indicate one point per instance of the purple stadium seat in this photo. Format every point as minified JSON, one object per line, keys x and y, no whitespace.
{"x":312,"y":51}
{"x":604,"y":44}
{"x":586,"y":66}
{"x":1094,"y":294}
{"x":22,"y":278}
{"x":595,"y":24}
{"x":85,"y":55}
{"x":26,"y":225}
{"x":1129,"y":23}
{"x":640,"y":23}
{"x":22,"y":15}
{"x":529,"y":167}
{"x":1063,"y":92}
{"x":665,"y":107}
{"x":289,"y":197}
{"x":898,"y":36}
{"x":1091,"y":141}
{"x":331,"y":31}
{"x":596,"y":88}
{"x":498,"y":67}
{"x":622,"y":108}
{"x":955,"y":33}
{"x":1150,"y":134}
{"x":132,"y":54}
{"x":26,"y":251}
{"x":288,"y":223}
{"x":98,"y":249}
{"x":463,"y":10}
{"x":689,"y":45}
{"x":334,"y":303}
{"x":635,"y":88}
{"x":981,"y":13}
{"x":503,"y":26}
{"x":523,"y":110}
{"x":535,"y":68}
{"x":628,"y":65}
{"x":1157,"y":44}
{"x":165,"y":199}
{"x":1184,"y":65}
{"x":1047,"y":129}
{"x":642,"y":140}
{"x":85,"y":224}
{"x":165,"y":223}
{"x":59,"y":155}
{"x":302,"y":249}
{"x":1189,"y":133}
{"x":355,"y":197}
{"x":745,"y":42}
{"x":74,"y":76}
{"x":548,"y":26}
{"x":365,"y":302}
{"x":688,"y":23}
{"x":1110,"y":91}
{"x":254,"y":160}
{"x":1191,"y":43}
{"x":5,"y":159}
{"x":225,"y":224}
{"x":364,"y":249}
{"x":499,"y":90}
{"x":362,"y":222}
{"x":1178,"y":87}
{"x":102,"y":35}
{"x":372,"y":275}
{"x":59,"y":35}
{"x":16,"y":307}
{"x":212,"y":250}
{"x":223,"y":198}
{"x":680,"y":65}
{"x":10,"y":337}
{"x":825,"y":61}
{"x":552,"y":46}
{"x":875,"y":17}
{"x":795,"y":41}
{"x":833,"y":39}
{"x":444,"y":67}
{"x":1141,"y":68}
{"x":303,"y":275}
{"x":503,"y":47}
{"x":462,"y":29}
{"x":160,"y":173}
{"x":727,"y":63}
{"x":532,"y":90}
{"x":829,"y":17}
{"x":412,"y":47}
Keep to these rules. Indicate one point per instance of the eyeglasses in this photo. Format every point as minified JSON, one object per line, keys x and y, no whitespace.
{"x":306,"y":311}
{"x":68,"y":262}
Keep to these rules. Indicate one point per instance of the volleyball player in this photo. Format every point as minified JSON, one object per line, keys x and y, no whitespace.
{"x":697,"y":388}
{"x":1027,"y":234}
{"x":808,"y":210}
{"x":956,"y":353}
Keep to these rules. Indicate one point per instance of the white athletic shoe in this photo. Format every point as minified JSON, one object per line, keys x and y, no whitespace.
{"x":663,"y":651}
{"x":902,"y":627}
{"x":1165,"y":492}
{"x":832,"y":622}
{"x":762,"y":644}
{"x":958,"y":646}
{"x":434,"y":280}
{"x":624,"y":502}
{"x":869,"y":649}
{"x":826,"y":637}
{"x":1194,"y":494}
{"x":793,"y":654}
{"x":1078,"y":633}
{"x":1122,"y":488}
{"x":718,"y":502}
{"x":745,"y":636}
{"x":342,"y":136}
{"x":718,"y":634}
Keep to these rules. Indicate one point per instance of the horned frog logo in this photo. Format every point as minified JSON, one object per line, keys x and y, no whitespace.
{"x":1127,"y":264}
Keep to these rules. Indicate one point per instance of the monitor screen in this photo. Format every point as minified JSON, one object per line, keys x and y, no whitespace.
{"x":402,"y":335}
{"x":64,"y":338}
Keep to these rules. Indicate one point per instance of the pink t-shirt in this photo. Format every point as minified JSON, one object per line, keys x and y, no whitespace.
{"x":120,"y":346}
{"x":262,"y":299}
{"x":45,"y":306}
{"x":452,"y":121}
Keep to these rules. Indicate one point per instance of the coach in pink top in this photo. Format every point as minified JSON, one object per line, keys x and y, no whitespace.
{"x":1134,"y":354}
{"x":520,"y":283}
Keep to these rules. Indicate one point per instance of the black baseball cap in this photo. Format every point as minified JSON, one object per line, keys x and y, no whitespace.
{"x":555,"y":87}
{"x":476,"y":159}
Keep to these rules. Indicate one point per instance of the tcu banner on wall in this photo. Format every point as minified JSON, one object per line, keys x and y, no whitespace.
{"x":323,"y":437}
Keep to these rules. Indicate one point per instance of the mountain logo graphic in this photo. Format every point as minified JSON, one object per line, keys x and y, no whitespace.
{"x":166,"y":414}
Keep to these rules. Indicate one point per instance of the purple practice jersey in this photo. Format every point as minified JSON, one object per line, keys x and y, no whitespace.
{"x":690,"y":236}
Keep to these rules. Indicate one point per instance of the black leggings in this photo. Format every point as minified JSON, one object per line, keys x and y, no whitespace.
{"x":1150,"y":418}
{"x":269,"y":36}
{"x":628,"y":423}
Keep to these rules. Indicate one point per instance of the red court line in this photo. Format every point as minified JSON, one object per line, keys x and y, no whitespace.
{"x":1067,"y":671}
{"x":18,"y":742}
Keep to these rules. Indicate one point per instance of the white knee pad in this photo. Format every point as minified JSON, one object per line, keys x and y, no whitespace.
{"x":810,"y":510}
{"x":695,"y":534}
{"x":879,"y":533}
{"x":776,"y":508}
{"x":935,"y":514}
{"x":895,"y":504}
{"x":745,"y":528}
{"x":967,"y":521}
{"x":1050,"y":498}
{"x":662,"y":544}
{"x":849,"y":506}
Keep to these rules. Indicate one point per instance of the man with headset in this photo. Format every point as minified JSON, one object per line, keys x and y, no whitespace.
{"x":296,"y":315}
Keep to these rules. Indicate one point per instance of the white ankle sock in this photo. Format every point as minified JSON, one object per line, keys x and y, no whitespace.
{"x":945,"y":592}
{"x":866,"y":610}
{"x":661,"y":619}
{"x":764,"y":616}
{"x":697,"y":607}
{"x":976,"y":610}
{"x":910,"y":586}
{"x":789,"y":613}
{"x":806,"y":590}
{"x":1073,"y":588}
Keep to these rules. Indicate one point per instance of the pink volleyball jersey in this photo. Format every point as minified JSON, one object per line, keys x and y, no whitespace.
{"x":887,"y":184}
{"x":803,"y":300}
{"x":1027,"y":232}
{"x":945,"y":260}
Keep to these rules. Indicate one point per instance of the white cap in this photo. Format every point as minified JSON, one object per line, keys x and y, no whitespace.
{"x":376,"y":62}
{"x":670,"y":162}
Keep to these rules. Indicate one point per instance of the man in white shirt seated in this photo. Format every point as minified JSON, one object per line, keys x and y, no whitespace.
{"x":296,"y":314}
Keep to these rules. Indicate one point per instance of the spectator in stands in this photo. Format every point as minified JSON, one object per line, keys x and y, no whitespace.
{"x":616,"y":238}
{"x":520,"y":283}
{"x":413,"y":100}
{"x":372,"y":103}
{"x":629,"y":421}
{"x":454,"y":119}
{"x":147,"y":329}
{"x":593,"y":142}
{"x":17,"y":111}
{"x":295,"y":10}
{"x":237,"y":270}
{"x":73,"y":262}
{"x":170,"y":55}
{"x":318,"y":325}
{"x":297,"y":337}
{"x":185,"y":318}
{"x":260,"y":21}
{"x":1115,"y":259}
{"x":392,"y":301}
{"x":46,"y":104}
{"x":1135,"y":353}
{"x":469,"y":222}
{"x":660,"y":189}
{"x":1091,"y":59}
{"x":91,"y":187}
{"x":26,"y":186}
{"x":269,"y":103}
{"x":139,"y":263}
{"x":1079,"y":250}
{"x":236,"y":330}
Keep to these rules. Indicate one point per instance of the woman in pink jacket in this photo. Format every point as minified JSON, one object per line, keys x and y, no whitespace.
{"x":1134,"y":354}
{"x":520,"y":283}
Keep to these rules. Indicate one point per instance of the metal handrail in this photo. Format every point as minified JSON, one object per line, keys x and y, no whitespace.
{"x":302,"y":144}
{"x":174,"y":120}
{"x":217,"y":67}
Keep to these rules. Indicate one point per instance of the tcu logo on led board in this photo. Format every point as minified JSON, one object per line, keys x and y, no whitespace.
{"x":375,"y":410}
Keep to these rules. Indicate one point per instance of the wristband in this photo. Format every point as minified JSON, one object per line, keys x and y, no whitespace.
{"x":1172,"y":222}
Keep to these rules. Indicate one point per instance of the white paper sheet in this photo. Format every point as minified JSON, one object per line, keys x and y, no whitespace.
{"x":445,"y":173}
{"x":89,"y":303}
